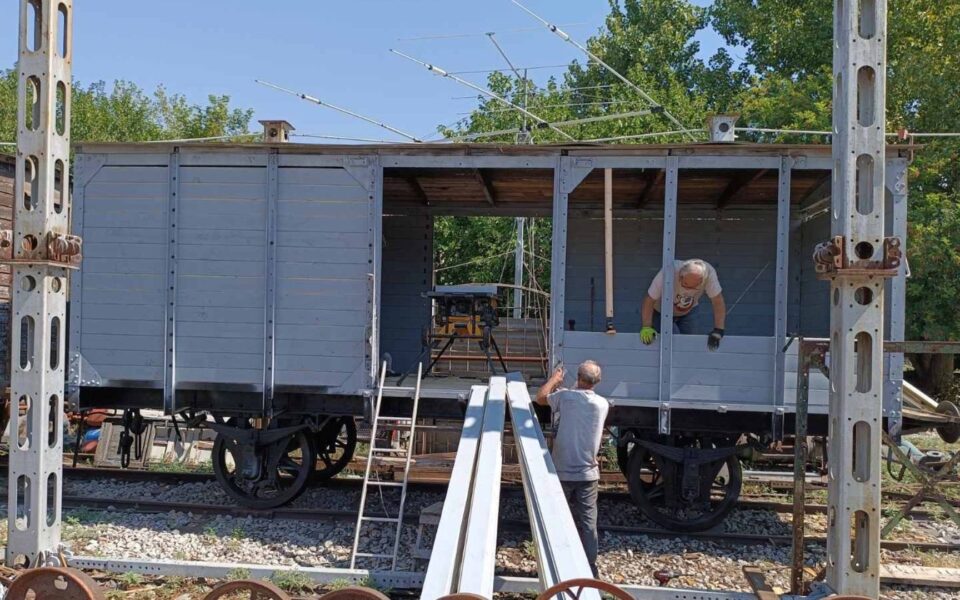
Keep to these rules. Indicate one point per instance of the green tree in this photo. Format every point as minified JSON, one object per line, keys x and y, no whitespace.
{"x":784,"y":81}
{"x":125,"y":113}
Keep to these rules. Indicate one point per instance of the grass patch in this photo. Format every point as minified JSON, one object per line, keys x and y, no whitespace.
{"x":292,"y":581}
{"x":238,"y":574}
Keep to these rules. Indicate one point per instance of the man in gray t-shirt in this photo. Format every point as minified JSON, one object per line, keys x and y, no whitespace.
{"x":578,"y":417}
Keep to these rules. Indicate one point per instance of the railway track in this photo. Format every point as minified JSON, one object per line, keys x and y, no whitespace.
{"x":313,"y":514}
{"x":746,"y":501}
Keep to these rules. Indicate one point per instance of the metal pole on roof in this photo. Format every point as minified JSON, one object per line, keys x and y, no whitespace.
{"x":438,"y":71}
{"x":355,"y":115}
{"x":566,"y":37}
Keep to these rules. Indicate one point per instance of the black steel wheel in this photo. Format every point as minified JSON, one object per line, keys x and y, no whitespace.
{"x":949,"y":432}
{"x":265,"y":476}
{"x":655,"y":484}
{"x":336,"y":442}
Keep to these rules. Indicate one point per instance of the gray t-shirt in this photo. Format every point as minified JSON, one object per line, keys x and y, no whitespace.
{"x":578,"y":417}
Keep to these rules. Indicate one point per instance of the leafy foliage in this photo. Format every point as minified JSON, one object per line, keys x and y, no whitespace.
{"x":125,"y":113}
{"x":784,"y":82}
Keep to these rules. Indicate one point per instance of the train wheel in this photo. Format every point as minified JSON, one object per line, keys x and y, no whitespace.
{"x":336,"y":442}
{"x":949,"y":432}
{"x":265,"y":475}
{"x":657,"y":484}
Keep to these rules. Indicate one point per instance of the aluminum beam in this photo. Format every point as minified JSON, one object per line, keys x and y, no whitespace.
{"x":480,"y":543}
{"x":856,"y":304}
{"x":170,"y":306}
{"x":443,"y":569}
{"x":560,"y":554}
{"x":39,"y":280}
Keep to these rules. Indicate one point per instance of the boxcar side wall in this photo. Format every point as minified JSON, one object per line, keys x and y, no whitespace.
{"x":251,"y":272}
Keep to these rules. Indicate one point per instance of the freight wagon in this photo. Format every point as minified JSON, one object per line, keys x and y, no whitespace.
{"x":264,"y":284}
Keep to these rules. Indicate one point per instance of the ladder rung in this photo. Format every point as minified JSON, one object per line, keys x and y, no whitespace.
{"x":386,"y":483}
{"x":388,"y":450}
{"x":394,"y":419}
{"x":381,"y":519}
{"x":369,"y":555}
{"x":399,"y":388}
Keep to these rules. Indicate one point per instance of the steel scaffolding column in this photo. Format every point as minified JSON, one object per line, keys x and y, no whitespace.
{"x":42,"y":253}
{"x":858,"y":263}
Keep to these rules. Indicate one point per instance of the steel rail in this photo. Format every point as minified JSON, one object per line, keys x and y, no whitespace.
{"x":321,"y":515}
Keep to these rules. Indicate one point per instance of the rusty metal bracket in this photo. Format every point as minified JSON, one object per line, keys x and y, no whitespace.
{"x":830,"y":260}
{"x":356,"y":593}
{"x":61,"y":250}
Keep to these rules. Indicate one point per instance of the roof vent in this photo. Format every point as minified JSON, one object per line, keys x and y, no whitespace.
{"x":721,"y":128}
{"x":276,"y":132}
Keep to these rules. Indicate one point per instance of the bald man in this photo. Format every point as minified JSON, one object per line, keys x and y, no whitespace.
{"x":692,"y":279}
{"x":578,"y":416}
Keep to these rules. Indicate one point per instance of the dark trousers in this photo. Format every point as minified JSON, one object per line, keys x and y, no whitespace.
{"x":682,"y":325}
{"x":582,"y":498}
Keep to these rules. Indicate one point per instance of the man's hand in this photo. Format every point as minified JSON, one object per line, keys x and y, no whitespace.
{"x":550,"y":385}
{"x":558,"y":374}
{"x":713,"y":340}
{"x":647,"y":335}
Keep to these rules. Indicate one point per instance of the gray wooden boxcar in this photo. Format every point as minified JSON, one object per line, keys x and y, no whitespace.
{"x":254,"y":281}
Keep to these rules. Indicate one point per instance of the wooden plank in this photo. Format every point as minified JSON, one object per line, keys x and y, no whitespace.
{"x":758,"y":583}
{"x":738,"y":186}
{"x":488,"y":192}
{"x":655,"y":179}
{"x":913,"y":575}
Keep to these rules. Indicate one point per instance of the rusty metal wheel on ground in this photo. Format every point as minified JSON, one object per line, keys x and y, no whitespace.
{"x":573,"y":588}
{"x":54,"y":582}
{"x":355,"y":593}
{"x":247,"y":590}
{"x":464,"y":596}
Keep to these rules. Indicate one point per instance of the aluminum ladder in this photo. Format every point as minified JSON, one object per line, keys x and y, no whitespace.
{"x":374,"y":454}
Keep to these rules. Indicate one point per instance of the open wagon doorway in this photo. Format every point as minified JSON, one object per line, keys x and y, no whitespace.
{"x":465,"y":283}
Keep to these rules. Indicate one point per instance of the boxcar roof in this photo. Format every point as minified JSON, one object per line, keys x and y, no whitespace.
{"x":507,"y":190}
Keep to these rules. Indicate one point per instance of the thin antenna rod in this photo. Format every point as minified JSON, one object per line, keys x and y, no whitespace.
{"x":523,"y":136}
{"x":566,"y":37}
{"x":437,"y":70}
{"x":626,"y":115}
{"x":338,"y":109}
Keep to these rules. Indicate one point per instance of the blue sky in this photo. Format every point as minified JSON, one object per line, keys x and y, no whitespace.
{"x":334,"y":50}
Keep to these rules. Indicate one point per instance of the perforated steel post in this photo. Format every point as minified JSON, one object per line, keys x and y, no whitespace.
{"x":856,"y":297}
{"x":41,"y":252}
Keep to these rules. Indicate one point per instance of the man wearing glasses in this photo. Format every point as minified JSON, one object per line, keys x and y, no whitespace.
{"x":692,"y":278}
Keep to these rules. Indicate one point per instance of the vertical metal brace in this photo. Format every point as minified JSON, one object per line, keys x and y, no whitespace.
{"x":39,"y":282}
{"x":856,"y":302}
{"x":893,"y":398}
{"x":800,"y":452}
{"x":782,"y":295}
{"x":666,"y":298}
{"x":170,"y":306}
{"x":375,"y":197}
{"x":567,"y":175}
{"x":558,"y":260}
{"x":270,"y":275}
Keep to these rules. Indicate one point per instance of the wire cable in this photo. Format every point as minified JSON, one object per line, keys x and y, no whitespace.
{"x":338,"y":109}
{"x":437,"y":70}
{"x":566,"y":37}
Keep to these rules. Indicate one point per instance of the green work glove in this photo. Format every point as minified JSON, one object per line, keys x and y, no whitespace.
{"x":647,"y":335}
